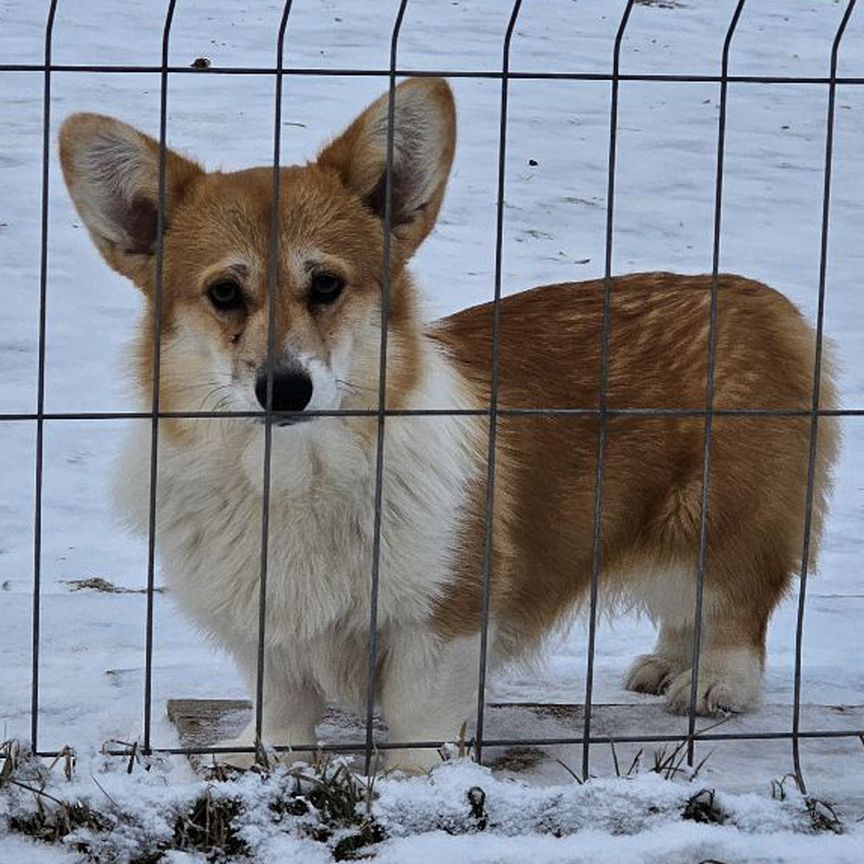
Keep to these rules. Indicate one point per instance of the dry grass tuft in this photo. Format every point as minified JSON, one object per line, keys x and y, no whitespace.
{"x":324,"y":802}
{"x":51,"y":819}
{"x":822,"y":815}
{"x":209,"y":827}
{"x":702,"y":807}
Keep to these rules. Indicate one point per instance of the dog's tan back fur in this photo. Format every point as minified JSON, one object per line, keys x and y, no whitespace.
{"x":652,"y":496}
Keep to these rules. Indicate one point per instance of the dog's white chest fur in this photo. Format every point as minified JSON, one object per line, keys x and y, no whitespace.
{"x":209,"y":517}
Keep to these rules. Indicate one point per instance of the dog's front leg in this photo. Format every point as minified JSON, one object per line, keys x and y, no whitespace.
{"x":292,"y":706}
{"x":428,"y":692}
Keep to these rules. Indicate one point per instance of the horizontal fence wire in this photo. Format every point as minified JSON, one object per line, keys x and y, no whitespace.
{"x":312,"y":72}
{"x":602,"y":411}
{"x":659,"y":413}
{"x":359,"y":746}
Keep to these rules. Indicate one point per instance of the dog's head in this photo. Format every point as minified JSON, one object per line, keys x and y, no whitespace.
{"x":214,"y":324}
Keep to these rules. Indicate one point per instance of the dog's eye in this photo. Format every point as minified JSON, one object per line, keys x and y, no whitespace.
{"x":325,"y":288}
{"x":226,"y":295}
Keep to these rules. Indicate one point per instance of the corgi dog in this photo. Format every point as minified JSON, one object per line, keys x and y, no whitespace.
{"x":327,"y":332}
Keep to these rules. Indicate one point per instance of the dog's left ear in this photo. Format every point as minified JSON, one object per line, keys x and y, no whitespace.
{"x":424,"y":140}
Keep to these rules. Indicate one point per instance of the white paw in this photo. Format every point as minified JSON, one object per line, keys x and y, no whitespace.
{"x":650,"y":673}
{"x":247,"y":760}
{"x":239,"y":760}
{"x":728,"y":683}
{"x":415,"y":762}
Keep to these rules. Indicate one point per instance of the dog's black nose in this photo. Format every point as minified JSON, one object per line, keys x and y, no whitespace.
{"x":292,"y":389}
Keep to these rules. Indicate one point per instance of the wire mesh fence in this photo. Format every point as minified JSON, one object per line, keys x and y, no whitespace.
{"x":282,"y":70}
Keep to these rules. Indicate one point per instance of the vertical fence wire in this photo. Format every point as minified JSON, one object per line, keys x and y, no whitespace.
{"x":40,"y":383}
{"x":597,"y":541}
{"x":272,"y":288}
{"x":161,"y":222}
{"x":817,"y":387}
{"x":372,"y":680}
{"x":494,"y":385}
{"x":709,"y":383}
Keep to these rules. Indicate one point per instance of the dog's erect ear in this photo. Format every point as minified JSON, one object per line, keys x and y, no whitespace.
{"x":112,"y":172}
{"x":424,"y":139}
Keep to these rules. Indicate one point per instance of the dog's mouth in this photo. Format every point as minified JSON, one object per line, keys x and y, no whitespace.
{"x":294,"y":420}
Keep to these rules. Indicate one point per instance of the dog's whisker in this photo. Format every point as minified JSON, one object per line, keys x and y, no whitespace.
{"x":212,"y":393}
{"x":342,"y":384}
{"x":193,"y":387}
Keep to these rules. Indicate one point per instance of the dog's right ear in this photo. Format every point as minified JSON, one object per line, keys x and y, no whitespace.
{"x":112,"y":172}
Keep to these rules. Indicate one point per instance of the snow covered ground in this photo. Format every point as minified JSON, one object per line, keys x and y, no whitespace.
{"x":93,"y":643}
{"x":633,"y":821}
